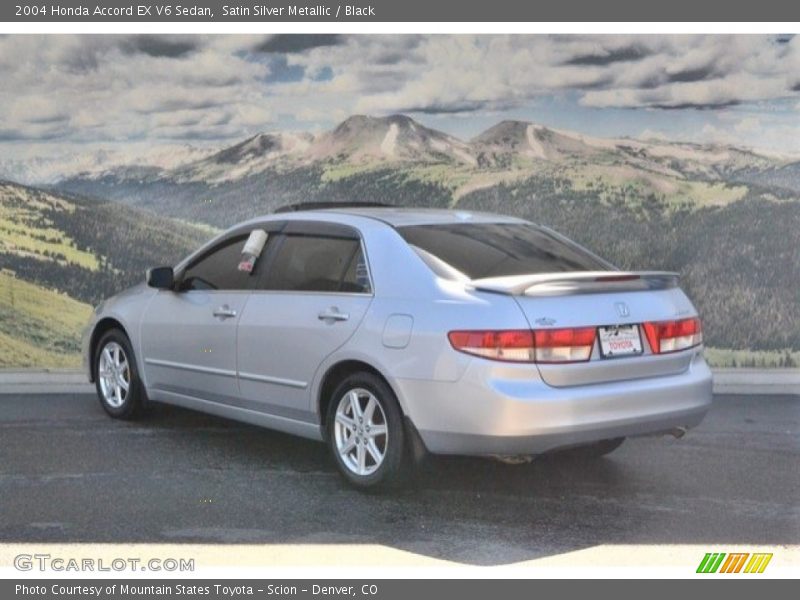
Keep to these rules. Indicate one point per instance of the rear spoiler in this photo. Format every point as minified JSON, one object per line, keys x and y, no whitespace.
{"x":577,"y":282}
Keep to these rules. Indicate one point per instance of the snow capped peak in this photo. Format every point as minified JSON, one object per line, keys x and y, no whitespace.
{"x":253,"y":155}
{"x":264,"y":145}
{"x":362,"y":138}
{"x":389,"y":143}
{"x":531,"y":140}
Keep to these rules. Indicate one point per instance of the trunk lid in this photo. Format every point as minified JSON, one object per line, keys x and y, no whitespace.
{"x":599,"y":299}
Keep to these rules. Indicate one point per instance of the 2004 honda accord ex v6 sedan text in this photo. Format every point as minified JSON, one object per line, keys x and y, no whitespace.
{"x":390,"y":332}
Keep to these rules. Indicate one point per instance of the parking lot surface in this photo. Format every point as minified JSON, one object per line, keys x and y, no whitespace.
{"x":68,"y":473}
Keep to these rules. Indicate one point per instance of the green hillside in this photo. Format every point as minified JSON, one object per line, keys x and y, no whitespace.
{"x":38,"y":327}
{"x":86,"y":248}
{"x":60,"y":255}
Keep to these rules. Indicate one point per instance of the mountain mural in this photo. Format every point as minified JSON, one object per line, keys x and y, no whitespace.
{"x":727,"y":218}
{"x":59,"y":255}
{"x":398,"y":160}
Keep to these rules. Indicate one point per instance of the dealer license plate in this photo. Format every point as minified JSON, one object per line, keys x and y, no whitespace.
{"x":619,"y":340}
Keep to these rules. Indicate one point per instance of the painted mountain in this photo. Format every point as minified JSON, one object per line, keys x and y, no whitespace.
{"x":401,"y":161}
{"x":727,"y":218}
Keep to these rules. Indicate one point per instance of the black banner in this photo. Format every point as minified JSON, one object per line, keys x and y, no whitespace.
{"x":395,"y":11}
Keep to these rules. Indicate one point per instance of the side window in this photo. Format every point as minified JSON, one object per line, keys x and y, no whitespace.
{"x":319,"y":264}
{"x":218,"y":270}
{"x":356,"y":278}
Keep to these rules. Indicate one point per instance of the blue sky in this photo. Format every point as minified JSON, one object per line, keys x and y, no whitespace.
{"x":68,"y":92}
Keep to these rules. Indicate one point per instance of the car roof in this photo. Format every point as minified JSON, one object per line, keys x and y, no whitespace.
{"x":400,"y":217}
{"x":389,"y":216}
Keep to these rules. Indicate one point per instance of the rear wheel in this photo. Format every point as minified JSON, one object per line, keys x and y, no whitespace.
{"x":593,"y":450}
{"x":365,"y":432}
{"x":116,"y":376}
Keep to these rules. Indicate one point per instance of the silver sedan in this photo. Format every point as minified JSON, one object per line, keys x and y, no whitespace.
{"x":389,"y":333}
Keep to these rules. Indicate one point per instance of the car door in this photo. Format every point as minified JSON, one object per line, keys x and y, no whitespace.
{"x":189,"y":335}
{"x":312,"y":295}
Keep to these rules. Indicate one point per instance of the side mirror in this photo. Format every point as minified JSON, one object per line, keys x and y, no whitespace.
{"x":161,"y":278}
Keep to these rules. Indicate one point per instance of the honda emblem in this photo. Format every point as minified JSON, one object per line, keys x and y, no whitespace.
{"x":622,"y":309}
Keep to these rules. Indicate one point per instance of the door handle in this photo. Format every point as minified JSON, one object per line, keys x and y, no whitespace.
{"x":333,"y":314}
{"x":224,"y":312}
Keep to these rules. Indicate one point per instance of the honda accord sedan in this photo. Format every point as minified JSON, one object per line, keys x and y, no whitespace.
{"x":390,"y":333}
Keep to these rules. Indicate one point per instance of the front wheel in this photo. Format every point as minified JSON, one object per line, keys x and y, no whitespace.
{"x":365,"y":432}
{"x":116,"y":377}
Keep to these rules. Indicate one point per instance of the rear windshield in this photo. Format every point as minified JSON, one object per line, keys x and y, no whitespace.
{"x":498,"y":249}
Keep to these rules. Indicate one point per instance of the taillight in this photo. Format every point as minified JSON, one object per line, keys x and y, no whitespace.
{"x":513,"y":345}
{"x":564,"y":345}
{"x":524,"y":345}
{"x":671,"y":336}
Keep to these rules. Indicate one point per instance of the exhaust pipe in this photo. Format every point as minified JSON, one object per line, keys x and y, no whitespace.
{"x":678,"y":432}
{"x":513,"y":459}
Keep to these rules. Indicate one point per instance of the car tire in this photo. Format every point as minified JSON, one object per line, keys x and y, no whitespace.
{"x":365,"y":433}
{"x":114,"y":368}
{"x":593,"y":450}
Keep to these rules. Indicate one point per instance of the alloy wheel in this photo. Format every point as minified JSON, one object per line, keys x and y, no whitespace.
{"x":361,"y":432}
{"x":114,"y":374}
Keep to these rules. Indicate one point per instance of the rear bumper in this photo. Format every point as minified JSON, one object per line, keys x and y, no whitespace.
{"x":507,"y":409}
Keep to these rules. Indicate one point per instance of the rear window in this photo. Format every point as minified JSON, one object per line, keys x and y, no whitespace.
{"x":481,"y":250}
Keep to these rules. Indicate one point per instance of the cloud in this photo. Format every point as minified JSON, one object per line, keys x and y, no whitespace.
{"x":697,"y":105}
{"x":87,"y":89}
{"x":113,"y":88}
{"x":748,"y":125}
{"x":445,"y":108}
{"x":690,"y":75}
{"x":159,"y":46}
{"x":457,"y":73}
{"x":292,"y":43}
{"x":610,"y":56}
{"x":654,"y":134}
